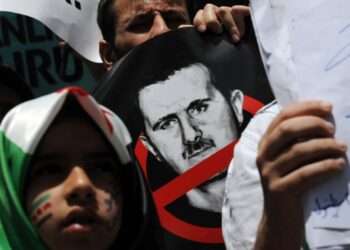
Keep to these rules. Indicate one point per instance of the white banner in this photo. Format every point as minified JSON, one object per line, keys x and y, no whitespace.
{"x":305,"y":46}
{"x":72,"y":20}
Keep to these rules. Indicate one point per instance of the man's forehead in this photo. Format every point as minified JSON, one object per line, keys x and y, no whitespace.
{"x":144,"y":5}
{"x":184,"y":82}
{"x":168,"y":2}
{"x":175,"y":93}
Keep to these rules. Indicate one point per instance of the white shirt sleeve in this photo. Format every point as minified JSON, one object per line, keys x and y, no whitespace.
{"x":243,"y":201}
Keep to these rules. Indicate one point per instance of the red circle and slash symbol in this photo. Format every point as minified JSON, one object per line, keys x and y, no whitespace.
{"x":189,"y":180}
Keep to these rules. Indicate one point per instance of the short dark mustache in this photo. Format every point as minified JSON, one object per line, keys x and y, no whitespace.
{"x":192,"y":147}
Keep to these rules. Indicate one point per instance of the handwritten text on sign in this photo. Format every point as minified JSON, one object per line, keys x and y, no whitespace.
{"x":309,"y":58}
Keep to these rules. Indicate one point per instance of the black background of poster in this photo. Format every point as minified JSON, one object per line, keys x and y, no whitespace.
{"x":234,"y":67}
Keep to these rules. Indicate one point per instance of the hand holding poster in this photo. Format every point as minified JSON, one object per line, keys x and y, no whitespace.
{"x":72,"y":20}
{"x":306,"y":55}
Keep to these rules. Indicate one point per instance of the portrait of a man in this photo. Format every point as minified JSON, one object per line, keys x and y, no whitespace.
{"x":181,"y":96}
{"x":186,"y":120}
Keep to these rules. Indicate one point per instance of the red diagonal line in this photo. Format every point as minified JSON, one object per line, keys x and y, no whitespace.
{"x":195,"y":176}
{"x":188,"y":231}
{"x":141,"y":155}
{"x":252,"y":105}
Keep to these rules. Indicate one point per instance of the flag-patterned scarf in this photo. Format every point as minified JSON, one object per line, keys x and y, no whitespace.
{"x":21,"y":131}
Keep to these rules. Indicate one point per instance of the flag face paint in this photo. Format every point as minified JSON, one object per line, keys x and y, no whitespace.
{"x":40,"y":210}
{"x":38,"y":202}
{"x":43,"y":220}
{"x":109,"y":204}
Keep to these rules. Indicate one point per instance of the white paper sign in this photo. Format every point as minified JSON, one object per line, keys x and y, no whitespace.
{"x":72,"y":20}
{"x":305,"y":46}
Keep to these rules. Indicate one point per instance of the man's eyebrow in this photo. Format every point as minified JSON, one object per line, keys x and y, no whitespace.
{"x":138,"y":18}
{"x":128,"y":20}
{"x":162,"y":119}
{"x":174,"y":12}
{"x":197,"y":102}
{"x":171,"y":10}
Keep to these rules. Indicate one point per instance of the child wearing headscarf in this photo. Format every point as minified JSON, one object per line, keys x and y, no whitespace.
{"x":67,"y":180}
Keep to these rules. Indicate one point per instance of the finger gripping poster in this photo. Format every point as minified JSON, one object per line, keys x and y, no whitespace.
{"x":186,"y":98}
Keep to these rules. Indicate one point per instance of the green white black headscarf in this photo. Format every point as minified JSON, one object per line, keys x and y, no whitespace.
{"x":21,"y":131}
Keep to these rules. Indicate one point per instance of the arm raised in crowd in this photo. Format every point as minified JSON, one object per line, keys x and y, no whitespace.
{"x":297,"y":151}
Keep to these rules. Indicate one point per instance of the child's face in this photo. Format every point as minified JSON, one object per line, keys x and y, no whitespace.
{"x":73,"y":195}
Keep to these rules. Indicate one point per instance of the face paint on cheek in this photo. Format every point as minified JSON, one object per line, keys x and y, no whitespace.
{"x":39,"y":201}
{"x":113,"y":197}
{"x":43,"y":220}
{"x":111,"y":202}
{"x":40,"y":210}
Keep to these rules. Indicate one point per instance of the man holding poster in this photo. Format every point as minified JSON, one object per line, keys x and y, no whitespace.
{"x":75,"y":21}
{"x":126,"y":24}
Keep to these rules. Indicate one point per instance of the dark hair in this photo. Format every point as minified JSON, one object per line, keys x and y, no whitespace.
{"x":160,"y":69}
{"x":11,"y":79}
{"x":234,"y":67}
{"x":107,"y":20}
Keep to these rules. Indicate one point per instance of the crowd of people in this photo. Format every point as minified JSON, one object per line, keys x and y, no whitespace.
{"x":68,"y":179}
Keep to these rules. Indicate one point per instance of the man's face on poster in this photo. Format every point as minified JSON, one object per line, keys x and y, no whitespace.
{"x":186,"y":118}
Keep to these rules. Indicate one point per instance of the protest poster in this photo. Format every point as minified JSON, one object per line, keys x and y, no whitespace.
{"x":186,"y":97}
{"x":72,"y":20}
{"x":33,"y":51}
